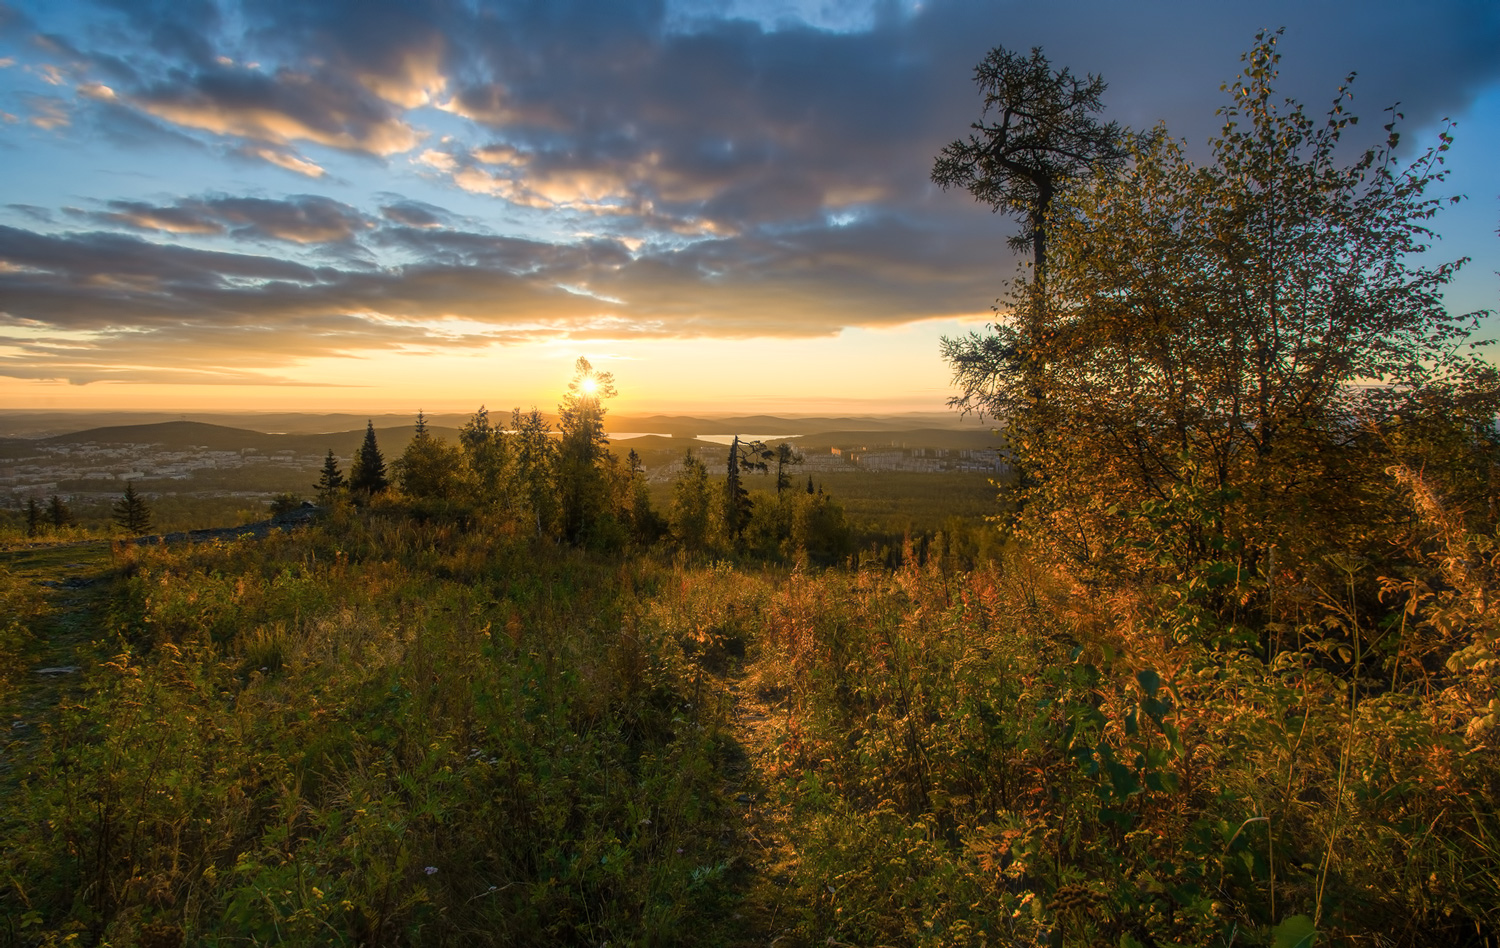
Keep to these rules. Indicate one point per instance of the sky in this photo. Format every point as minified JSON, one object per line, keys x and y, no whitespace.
{"x":399,"y":204}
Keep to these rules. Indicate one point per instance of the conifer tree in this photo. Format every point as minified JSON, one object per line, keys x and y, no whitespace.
{"x":131,"y":511}
{"x":367,"y":473}
{"x":33,"y":517}
{"x":487,"y":452}
{"x":58,"y":512}
{"x":645,"y":522}
{"x":331,"y":481}
{"x":429,"y":468}
{"x":534,"y":453}
{"x":582,"y":487}
{"x":743,"y":455}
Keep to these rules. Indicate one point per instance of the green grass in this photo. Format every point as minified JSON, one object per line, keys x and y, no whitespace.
{"x":403,"y":731}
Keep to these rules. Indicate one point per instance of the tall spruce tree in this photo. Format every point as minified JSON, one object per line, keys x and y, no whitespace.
{"x":58,"y":512}
{"x":131,"y":511}
{"x":367,"y":473}
{"x":331,"y":481}
{"x":743,"y":456}
{"x":33,"y":517}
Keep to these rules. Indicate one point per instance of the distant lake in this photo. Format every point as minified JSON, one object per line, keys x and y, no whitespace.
{"x":729,"y":438}
{"x":715,"y":438}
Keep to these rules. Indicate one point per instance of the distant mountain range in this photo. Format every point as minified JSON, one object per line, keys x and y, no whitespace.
{"x":669,"y":433}
{"x":44,"y":424}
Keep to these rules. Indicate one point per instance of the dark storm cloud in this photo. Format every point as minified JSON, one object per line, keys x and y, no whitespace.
{"x":741,"y":124}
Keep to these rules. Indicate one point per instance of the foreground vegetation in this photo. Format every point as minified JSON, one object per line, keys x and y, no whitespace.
{"x":388,"y":731}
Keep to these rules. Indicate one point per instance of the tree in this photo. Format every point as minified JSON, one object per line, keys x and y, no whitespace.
{"x":430,"y":468}
{"x":1043,"y":138}
{"x":645,"y":523}
{"x":691,"y":504}
{"x":1214,"y":343}
{"x":786,"y":456}
{"x":33,"y":517}
{"x":582,"y":488}
{"x":818,"y":528}
{"x":331,"y":480}
{"x":534,"y":453}
{"x":367,"y":473}
{"x":131,"y":511}
{"x":486,"y":452}
{"x":743,"y":455}
{"x":58,"y":513}
{"x":283,"y":504}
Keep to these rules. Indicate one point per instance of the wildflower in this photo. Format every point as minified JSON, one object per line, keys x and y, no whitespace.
{"x":430,"y":870}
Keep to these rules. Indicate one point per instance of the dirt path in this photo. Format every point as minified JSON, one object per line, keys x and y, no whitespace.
{"x":767,"y":860}
{"x":75,"y":579}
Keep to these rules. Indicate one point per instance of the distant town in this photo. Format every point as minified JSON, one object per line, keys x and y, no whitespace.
{"x":197,"y":459}
{"x":94,"y":468}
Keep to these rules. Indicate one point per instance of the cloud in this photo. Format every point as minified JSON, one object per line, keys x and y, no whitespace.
{"x":48,"y":113}
{"x":624,"y":168}
{"x":416,"y":214}
{"x":280,"y":108}
{"x":287,"y":160}
{"x":301,"y":219}
{"x":193,"y":307}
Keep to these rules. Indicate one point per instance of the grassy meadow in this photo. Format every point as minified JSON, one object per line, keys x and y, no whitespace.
{"x":394,"y":728}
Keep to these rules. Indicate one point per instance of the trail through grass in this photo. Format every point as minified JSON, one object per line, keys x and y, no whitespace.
{"x":766,"y":858}
{"x":68,"y":586}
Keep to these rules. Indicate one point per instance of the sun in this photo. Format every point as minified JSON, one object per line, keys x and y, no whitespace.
{"x":588,"y":386}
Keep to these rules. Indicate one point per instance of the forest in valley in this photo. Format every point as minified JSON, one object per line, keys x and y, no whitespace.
{"x":1220,"y":668}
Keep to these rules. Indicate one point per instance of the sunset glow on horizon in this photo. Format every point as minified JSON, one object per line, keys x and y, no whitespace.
{"x":341,"y":206}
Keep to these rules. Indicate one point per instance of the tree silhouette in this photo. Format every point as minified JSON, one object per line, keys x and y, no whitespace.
{"x":367,"y":473}
{"x":430,"y":468}
{"x":786,"y":456}
{"x":1043,"y":137}
{"x":487,"y":451}
{"x":131,"y":511}
{"x":534,"y":456}
{"x":743,"y":455}
{"x":33,"y":517}
{"x":582,"y":488}
{"x":331,"y":480}
{"x":58,"y":512}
